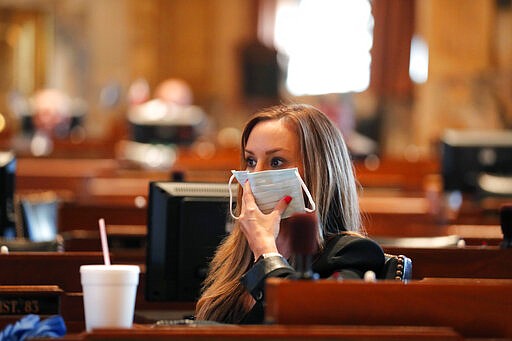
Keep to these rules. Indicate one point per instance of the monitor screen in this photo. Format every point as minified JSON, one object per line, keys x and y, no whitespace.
{"x":186,"y":222}
{"x":158,"y":122}
{"x":39,"y":213}
{"x":7,"y":187}
{"x":164,"y":134}
{"x":467,"y":155}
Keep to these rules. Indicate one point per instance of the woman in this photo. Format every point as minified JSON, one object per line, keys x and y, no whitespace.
{"x":281,"y":137}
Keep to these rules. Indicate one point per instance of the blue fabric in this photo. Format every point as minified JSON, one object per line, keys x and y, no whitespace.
{"x":32,"y":326}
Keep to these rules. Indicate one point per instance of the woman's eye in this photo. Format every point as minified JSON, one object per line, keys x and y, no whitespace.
{"x":251,"y":163}
{"x":276,"y":162}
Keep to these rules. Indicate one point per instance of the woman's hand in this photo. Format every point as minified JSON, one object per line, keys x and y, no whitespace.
{"x":260,"y":229}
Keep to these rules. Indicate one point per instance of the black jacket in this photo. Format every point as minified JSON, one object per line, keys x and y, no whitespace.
{"x":347,"y":256}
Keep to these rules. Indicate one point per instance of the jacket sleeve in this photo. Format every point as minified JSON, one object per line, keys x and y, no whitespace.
{"x":254,"y":283}
{"x":349,"y":257}
{"x":254,"y":279}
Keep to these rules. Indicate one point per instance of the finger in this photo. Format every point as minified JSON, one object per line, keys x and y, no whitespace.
{"x":283,"y":204}
{"x":247,"y":187}
{"x":248,"y":197}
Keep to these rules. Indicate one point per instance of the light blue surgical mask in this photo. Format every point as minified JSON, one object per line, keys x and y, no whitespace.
{"x":270,"y":186}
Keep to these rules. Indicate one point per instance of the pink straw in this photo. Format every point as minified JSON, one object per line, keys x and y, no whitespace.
{"x":104,"y":243}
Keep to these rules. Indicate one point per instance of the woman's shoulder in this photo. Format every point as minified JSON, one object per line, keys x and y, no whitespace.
{"x":344,"y":244}
{"x":344,"y":239}
{"x":350,"y":251}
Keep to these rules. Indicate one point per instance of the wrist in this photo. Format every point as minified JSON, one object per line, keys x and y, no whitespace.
{"x":263,"y":247}
{"x":267,"y":255}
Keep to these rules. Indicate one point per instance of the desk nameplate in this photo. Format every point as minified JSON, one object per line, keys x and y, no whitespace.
{"x":22,"y":300}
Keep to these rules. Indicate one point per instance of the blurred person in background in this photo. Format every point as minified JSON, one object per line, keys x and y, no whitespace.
{"x":158,"y":125}
{"x":51,"y":113}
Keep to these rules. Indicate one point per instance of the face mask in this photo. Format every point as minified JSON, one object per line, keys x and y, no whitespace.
{"x":268,"y":187}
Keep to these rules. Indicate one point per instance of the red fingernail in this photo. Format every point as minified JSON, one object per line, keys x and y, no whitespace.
{"x":287,"y":199}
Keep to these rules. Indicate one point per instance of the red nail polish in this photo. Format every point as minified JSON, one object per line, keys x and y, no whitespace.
{"x":287,"y":199}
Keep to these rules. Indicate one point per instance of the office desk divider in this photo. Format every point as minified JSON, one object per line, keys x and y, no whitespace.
{"x":475,"y":308}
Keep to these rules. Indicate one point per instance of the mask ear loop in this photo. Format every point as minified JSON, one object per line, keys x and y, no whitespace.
{"x":231,"y":197}
{"x":308,"y":194}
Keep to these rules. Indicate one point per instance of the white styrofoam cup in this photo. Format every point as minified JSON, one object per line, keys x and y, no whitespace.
{"x":109,"y":295}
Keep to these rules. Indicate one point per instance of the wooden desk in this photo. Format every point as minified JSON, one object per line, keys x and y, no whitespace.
{"x":270,"y":333}
{"x":85,"y":216}
{"x":396,"y":173}
{"x":46,"y":268}
{"x":477,"y":234}
{"x":469,"y":262}
{"x":60,"y":269}
{"x":103,"y":188}
{"x":58,"y":174}
{"x":474,"y":308}
{"x":385,"y":209}
{"x":426,"y":236}
{"x":63,"y":269}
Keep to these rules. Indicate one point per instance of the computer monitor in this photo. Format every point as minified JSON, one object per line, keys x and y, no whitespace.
{"x":186,"y":223}
{"x":39,"y":216}
{"x":7,"y":187}
{"x":467,"y":155}
{"x":157,"y":122}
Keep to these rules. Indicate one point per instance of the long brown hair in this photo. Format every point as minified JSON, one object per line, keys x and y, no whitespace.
{"x":329,"y":175}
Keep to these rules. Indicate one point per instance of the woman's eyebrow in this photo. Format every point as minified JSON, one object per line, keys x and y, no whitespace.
{"x":271,"y":151}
